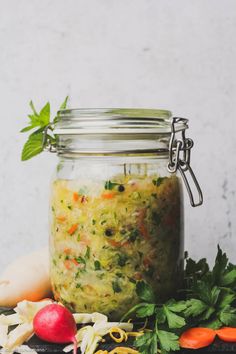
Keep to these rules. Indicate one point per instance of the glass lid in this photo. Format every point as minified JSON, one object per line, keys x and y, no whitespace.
{"x":116,"y":121}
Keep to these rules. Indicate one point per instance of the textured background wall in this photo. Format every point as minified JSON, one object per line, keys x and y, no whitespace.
{"x":178,"y":55}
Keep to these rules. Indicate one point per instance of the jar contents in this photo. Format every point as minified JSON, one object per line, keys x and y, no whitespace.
{"x":106,"y":236}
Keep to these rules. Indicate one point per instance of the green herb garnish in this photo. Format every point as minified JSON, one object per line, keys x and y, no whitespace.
{"x":97,"y":265}
{"x":110,"y":185}
{"x":209,"y":300}
{"x":42,"y":125}
{"x":158,"y":181}
{"x":116,"y":287}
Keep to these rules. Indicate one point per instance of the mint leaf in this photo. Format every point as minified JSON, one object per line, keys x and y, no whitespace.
{"x":44,"y":115}
{"x":64,"y":103}
{"x":26,"y":129}
{"x":41,"y":121}
{"x":32,"y":147}
{"x":33,"y":109}
{"x":145,"y":292}
{"x":168,"y":340}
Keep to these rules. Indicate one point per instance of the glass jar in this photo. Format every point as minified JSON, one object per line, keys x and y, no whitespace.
{"x":117,"y":207}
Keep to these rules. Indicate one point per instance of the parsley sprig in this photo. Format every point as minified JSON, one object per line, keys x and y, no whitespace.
{"x":166,"y":320}
{"x":208,"y":300}
{"x":39,"y":122}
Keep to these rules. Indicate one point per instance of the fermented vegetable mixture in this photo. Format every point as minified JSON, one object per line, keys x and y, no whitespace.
{"x":106,"y":236}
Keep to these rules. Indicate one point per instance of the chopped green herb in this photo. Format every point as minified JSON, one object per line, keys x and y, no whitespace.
{"x":69,"y":207}
{"x":78,"y":286}
{"x":93,"y":221}
{"x":87,"y":254}
{"x":157,"y":182}
{"x":97,"y":265}
{"x":122,"y":259}
{"x":133,"y":235}
{"x":110,"y":185}
{"x":116,"y":287}
{"x":81,"y":260}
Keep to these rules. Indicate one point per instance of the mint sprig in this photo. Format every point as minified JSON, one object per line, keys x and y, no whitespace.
{"x":43,"y":126}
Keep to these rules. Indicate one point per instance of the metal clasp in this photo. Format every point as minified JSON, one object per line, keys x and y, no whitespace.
{"x":47,"y":142}
{"x":179,"y":159}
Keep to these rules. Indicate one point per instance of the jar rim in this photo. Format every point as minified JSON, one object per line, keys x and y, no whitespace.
{"x":115,"y":121}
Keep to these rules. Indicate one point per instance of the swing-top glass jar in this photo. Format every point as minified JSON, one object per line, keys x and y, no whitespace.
{"x":117,"y":207}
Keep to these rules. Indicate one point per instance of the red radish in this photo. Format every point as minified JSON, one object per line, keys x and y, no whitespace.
{"x":54,"y":323}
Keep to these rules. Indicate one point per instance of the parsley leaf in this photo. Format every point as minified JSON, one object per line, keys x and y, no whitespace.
{"x":174,"y":321}
{"x":146,"y":310}
{"x":168,"y":340}
{"x":145,"y":292}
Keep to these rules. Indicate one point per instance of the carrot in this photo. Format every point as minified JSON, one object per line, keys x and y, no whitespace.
{"x":114,"y":243}
{"x":108,"y":195}
{"x":227,"y":334}
{"x":141,"y":224}
{"x":195,"y":338}
{"x":74,"y":261}
{"x":73,"y":228}
{"x":67,"y":264}
{"x":67,"y":251}
{"x":61,"y":218}
{"x":75,"y":197}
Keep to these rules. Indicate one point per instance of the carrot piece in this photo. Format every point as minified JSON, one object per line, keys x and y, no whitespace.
{"x":108,"y":195}
{"x":227,"y":334}
{"x":61,"y":218}
{"x":67,"y":264}
{"x":195,"y":338}
{"x":73,"y":228}
{"x":75,"y":197}
{"x":67,"y":251}
{"x":114,"y":243}
{"x":74,"y":261}
{"x":141,"y":224}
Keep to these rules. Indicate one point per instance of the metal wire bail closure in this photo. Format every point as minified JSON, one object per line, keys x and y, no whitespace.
{"x":46,"y":143}
{"x":179,"y":159}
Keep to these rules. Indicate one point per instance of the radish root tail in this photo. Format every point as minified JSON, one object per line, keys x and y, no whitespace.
{"x":75,"y":346}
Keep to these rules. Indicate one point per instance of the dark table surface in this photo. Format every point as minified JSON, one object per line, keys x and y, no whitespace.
{"x":42,"y":347}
